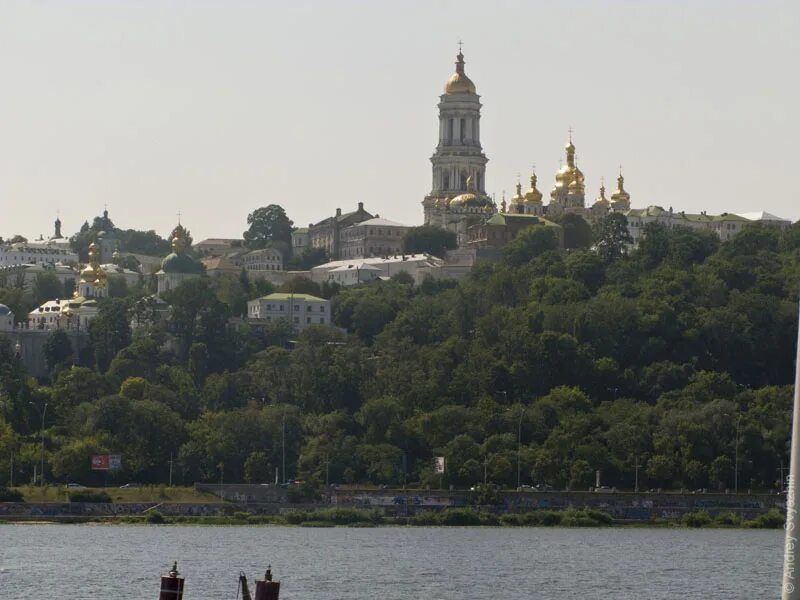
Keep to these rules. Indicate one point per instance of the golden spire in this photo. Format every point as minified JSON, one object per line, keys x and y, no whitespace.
{"x":518,"y":197}
{"x":570,"y":149}
{"x":601,"y":199}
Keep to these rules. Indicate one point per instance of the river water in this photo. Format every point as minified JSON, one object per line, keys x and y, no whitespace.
{"x":124,"y":562}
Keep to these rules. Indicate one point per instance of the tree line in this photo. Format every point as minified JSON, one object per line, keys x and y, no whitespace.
{"x":672,"y":362}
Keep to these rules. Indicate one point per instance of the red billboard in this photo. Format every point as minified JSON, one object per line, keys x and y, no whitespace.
{"x":100,"y":462}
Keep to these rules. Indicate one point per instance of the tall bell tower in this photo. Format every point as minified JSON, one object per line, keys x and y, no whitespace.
{"x":459,"y":164}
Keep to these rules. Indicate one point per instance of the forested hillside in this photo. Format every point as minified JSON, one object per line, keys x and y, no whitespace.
{"x":593,"y":358}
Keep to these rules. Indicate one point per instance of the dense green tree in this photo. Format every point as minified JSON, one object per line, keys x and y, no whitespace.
{"x":268,"y":224}
{"x":57,"y":349}
{"x":429,"y":239}
{"x":110,"y":331}
{"x":308,"y":258}
{"x":46,"y":286}
{"x":577,"y":232}
{"x":612,"y":237}
{"x":529,"y":244}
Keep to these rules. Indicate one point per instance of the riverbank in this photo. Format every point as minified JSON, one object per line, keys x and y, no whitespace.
{"x":457,"y":517}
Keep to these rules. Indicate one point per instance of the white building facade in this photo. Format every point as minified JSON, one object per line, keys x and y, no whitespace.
{"x":301,"y":310}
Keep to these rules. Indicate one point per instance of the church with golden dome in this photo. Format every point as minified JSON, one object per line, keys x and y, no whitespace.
{"x":458,"y":198}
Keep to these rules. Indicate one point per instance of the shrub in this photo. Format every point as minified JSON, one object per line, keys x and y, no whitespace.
{"x":155,"y":517}
{"x":770,"y":520}
{"x":459,"y":517}
{"x":9,"y":495}
{"x":376,"y":516}
{"x":343,"y":516}
{"x":425,"y":518}
{"x":489,"y":519}
{"x":512,"y":520}
{"x":598,"y":516}
{"x":548,"y":518}
{"x":296,"y":517}
{"x":89,"y":497}
{"x":317,"y":524}
{"x":241,"y":516}
{"x":727,"y":519}
{"x":576,"y":518}
{"x":699,"y":518}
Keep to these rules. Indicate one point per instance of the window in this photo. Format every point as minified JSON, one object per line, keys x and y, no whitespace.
{"x":322,"y":308}
{"x":308,"y":319}
{"x":450,"y":130}
{"x":308,"y":308}
{"x":281,"y":306}
{"x":322,"y":320}
{"x":297,"y":319}
{"x":297,"y":307}
{"x":462,"y":130}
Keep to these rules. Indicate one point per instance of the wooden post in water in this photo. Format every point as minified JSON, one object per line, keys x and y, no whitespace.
{"x":791,"y":582}
{"x":268,"y":589}
{"x":171,"y":585}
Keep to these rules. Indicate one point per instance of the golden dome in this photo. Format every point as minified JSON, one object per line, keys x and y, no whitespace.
{"x":621,"y":196}
{"x":459,"y":83}
{"x":92,"y":273}
{"x":569,"y":173}
{"x":470,"y":200}
{"x":518,"y":197}
{"x":533,"y":195}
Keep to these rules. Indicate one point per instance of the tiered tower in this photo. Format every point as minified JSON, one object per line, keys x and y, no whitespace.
{"x":459,"y":164}
{"x":458,"y":190}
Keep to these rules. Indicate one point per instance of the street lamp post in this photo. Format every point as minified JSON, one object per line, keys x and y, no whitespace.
{"x":519,"y":445}
{"x":736,"y":453}
{"x":283,"y":445}
{"x":736,"y":457}
{"x":42,"y":414}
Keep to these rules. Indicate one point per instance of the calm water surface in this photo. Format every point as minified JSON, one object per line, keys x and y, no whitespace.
{"x":122,"y":562}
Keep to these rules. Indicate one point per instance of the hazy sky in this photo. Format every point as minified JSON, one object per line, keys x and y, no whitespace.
{"x":216,"y":108}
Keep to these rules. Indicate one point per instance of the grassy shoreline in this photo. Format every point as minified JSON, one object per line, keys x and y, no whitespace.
{"x":459,"y":517}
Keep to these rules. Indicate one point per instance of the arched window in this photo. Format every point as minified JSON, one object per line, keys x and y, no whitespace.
{"x":462,"y":130}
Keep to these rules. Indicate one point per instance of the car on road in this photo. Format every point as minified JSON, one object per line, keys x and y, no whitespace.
{"x":76,"y":486}
{"x":128,"y":486}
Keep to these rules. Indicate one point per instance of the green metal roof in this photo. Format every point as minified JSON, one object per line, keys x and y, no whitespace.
{"x":285,"y":296}
{"x":508,"y":218}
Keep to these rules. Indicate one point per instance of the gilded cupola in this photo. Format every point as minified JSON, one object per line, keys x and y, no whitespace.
{"x":459,"y":83}
{"x":93,"y":273}
{"x":518,"y":197}
{"x":601,"y":199}
{"x":569,"y":173}
{"x":620,"y":197}
{"x":533,"y":195}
